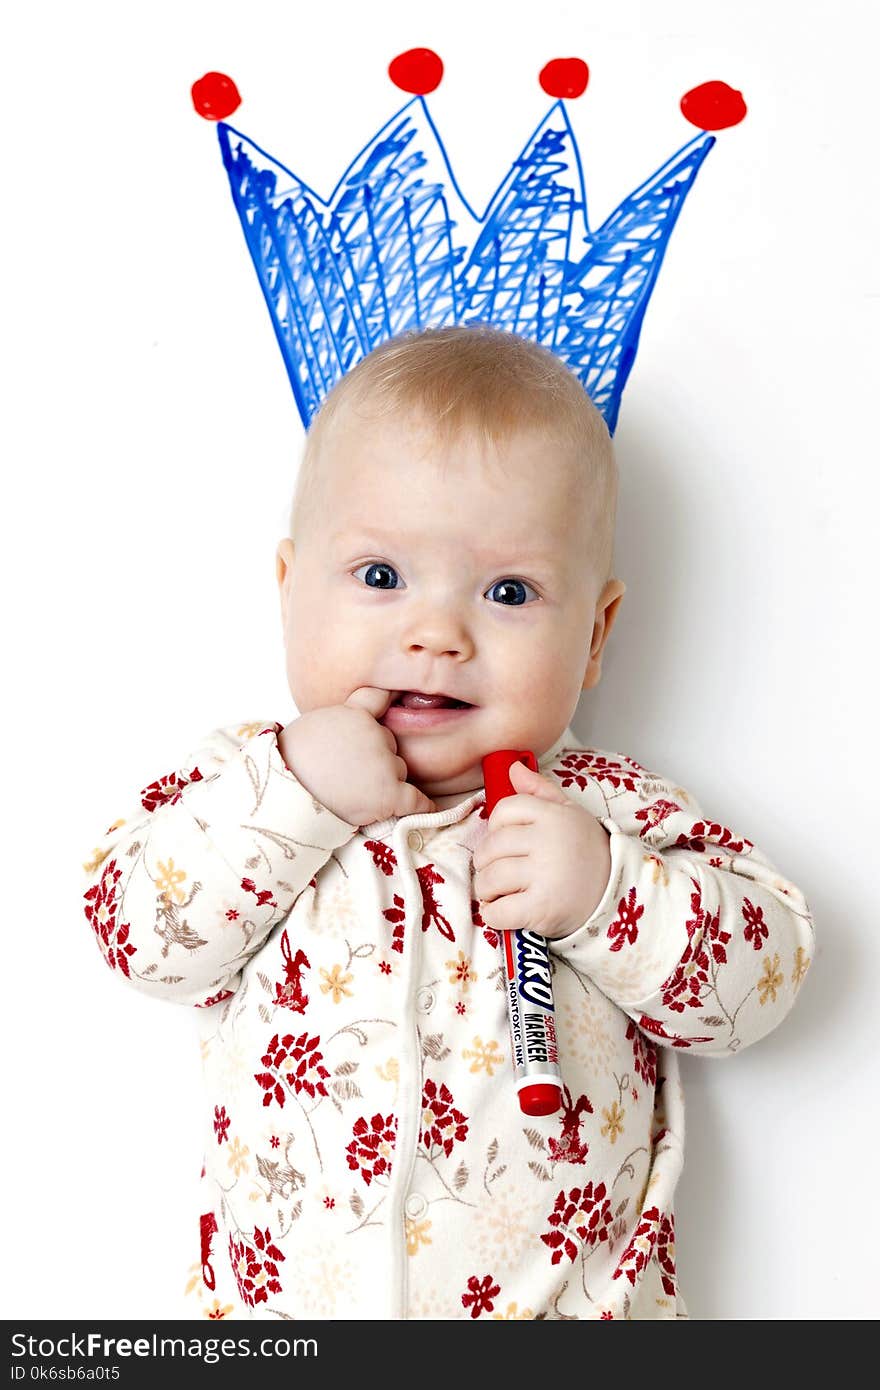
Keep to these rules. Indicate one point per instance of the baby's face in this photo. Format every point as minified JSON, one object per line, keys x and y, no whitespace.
{"x":420,"y":568}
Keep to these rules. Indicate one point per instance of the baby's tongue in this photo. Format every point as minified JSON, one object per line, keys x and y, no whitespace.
{"x":410,"y":699}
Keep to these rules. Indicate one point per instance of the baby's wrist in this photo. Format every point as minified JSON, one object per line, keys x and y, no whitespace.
{"x":600,"y":872}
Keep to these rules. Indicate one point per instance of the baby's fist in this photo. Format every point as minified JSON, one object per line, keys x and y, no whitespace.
{"x":544,"y":862}
{"x":349,"y":761}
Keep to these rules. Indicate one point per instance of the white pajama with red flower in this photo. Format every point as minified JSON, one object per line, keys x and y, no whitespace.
{"x":365,"y":1153}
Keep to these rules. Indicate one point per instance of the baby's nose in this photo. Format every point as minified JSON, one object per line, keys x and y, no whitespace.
{"x":439,"y":631}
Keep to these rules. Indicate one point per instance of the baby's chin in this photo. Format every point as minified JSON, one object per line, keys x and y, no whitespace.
{"x":448,"y":788}
{"x":446,"y":764}
{"x":449,"y":780}
{"x":440,"y":773}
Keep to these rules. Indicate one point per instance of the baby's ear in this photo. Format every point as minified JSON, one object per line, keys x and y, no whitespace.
{"x":607,"y":608}
{"x":284,"y":572}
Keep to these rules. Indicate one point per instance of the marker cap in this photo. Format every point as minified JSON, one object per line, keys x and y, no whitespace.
{"x":496,"y":772}
{"x":540,"y":1098}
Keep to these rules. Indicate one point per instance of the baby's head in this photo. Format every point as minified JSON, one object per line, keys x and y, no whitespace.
{"x":452,"y":531}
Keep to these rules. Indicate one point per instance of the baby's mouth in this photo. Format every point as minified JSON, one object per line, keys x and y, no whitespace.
{"x":418,"y":699}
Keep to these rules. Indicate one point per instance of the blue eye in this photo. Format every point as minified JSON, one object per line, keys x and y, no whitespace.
{"x":513,"y":591}
{"x":384,"y":575}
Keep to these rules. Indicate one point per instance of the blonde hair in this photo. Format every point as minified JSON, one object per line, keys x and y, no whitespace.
{"x":482,"y":380}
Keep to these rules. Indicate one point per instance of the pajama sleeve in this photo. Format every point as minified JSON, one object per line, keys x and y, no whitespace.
{"x":697,"y":938}
{"x":187,"y":886}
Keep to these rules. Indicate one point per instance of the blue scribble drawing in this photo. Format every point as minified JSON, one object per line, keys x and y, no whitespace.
{"x":397,"y":246}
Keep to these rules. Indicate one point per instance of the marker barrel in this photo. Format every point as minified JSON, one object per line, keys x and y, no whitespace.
{"x":528,"y":978}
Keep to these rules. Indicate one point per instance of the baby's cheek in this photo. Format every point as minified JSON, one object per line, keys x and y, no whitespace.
{"x":313,"y":683}
{"x":309,"y":665}
{"x":546,"y":675}
{"x":325,"y":662}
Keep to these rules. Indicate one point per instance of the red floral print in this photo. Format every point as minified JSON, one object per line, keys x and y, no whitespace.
{"x":580,"y":767}
{"x":584,"y":1214}
{"x":652,"y":1025}
{"x":167,"y":790}
{"x":263,"y":895}
{"x":384,"y":857}
{"x":655,"y":814}
{"x":255,"y":1267}
{"x":688,"y":984}
{"x":654,"y":1234}
{"x":665,"y":1252}
{"x":480,"y":1295}
{"x":298,"y":1062}
{"x":214,"y":999}
{"x":442,"y":1124}
{"x":100,"y":910}
{"x":491,"y":936}
{"x":396,"y":915}
{"x":119,"y":949}
{"x":716,"y":834}
{"x":207,"y":1231}
{"x":755,"y":929}
{"x":427,"y":877}
{"x":644,"y":1054}
{"x":372,"y":1146}
{"x":291,"y":995}
{"x":221,"y":1123}
{"x":625,"y":925}
{"x":570,"y":1147}
{"x":101,"y":900}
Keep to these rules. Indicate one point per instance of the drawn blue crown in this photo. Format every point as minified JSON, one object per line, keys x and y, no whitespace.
{"x":397,"y":246}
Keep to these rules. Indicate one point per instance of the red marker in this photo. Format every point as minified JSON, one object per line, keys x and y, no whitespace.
{"x":529,"y":980}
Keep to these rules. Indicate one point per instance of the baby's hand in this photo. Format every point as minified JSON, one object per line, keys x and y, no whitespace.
{"x":544,"y":862}
{"x":349,"y":761}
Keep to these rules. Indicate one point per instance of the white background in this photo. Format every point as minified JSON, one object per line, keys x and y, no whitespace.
{"x":151,"y":442}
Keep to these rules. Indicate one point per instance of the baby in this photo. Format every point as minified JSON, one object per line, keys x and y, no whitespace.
{"x":330,"y":893}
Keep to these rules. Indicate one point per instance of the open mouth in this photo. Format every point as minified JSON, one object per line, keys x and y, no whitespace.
{"x":417,"y":699}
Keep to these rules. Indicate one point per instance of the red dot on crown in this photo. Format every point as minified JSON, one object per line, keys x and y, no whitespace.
{"x":713,"y":106}
{"x":215,"y":96}
{"x":418,"y":70}
{"x":710,"y":106}
{"x":564,"y":77}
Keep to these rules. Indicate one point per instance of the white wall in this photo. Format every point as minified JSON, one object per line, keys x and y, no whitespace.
{"x":152,"y":439}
